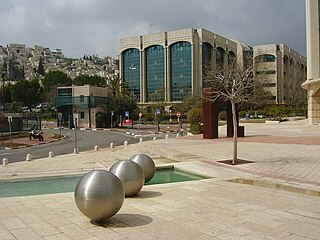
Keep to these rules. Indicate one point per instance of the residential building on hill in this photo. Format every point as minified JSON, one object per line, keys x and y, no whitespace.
{"x":27,"y":60}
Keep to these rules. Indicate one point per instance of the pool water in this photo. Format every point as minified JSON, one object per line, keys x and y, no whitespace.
{"x":62,"y":184}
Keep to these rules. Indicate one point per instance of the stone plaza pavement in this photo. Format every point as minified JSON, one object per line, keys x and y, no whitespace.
{"x":277,"y":196}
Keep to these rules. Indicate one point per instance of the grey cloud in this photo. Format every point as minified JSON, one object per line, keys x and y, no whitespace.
{"x":96,"y":26}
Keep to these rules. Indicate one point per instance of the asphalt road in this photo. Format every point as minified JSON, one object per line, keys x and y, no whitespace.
{"x":86,"y":140}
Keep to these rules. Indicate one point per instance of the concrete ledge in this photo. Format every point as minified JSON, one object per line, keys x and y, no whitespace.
{"x":272,"y":122}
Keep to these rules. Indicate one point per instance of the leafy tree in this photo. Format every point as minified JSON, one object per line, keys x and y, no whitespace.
{"x":116,"y":87}
{"x":122,"y":103}
{"x":3,"y":71}
{"x":16,"y":71}
{"x":55,"y":79}
{"x":5,"y":93}
{"x":2,"y":124}
{"x":14,"y":107}
{"x":195,"y":118}
{"x":188,"y":103}
{"x":91,"y":80}
{"x":52,"y":80}
{"x":156,"y":115}
{"x":40,"y":67}
{"x":27,"y":92}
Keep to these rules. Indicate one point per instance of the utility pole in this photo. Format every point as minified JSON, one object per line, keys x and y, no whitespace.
{"x":132,"y":68}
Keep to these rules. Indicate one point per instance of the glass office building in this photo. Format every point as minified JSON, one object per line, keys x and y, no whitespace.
{"x":167,"y":67}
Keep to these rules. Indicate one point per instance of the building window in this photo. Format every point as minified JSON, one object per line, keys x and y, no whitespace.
{"x":220,"y":56}
{"x":131,"y":71}
{"x":82,"y":115}
{"x":269,"y":84}
{"x":265,"y":58}
{"x":266,"y":72}
{"x":155,"y":73}
{"x":64,"y":92}
{"x":206,"y":59}
{"x":180,"y":71}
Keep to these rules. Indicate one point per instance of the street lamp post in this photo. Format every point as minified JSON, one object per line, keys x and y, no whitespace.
{"x":132,"y":68}
{"x":75,"y":122}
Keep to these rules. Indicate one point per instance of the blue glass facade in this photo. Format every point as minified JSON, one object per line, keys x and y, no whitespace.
{"x":155,"y":73}
{"x":180,"y":70}
{"x":131,"y":71}
{"x":170,"y":66}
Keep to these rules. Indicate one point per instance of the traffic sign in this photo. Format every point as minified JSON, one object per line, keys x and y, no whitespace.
{"x":112,"y":113}
{"x":178,"y":114}
{"x":127,"y":114}
{"x":60,"y":115}
{"x":9,"y":119}
{"x":158,"y":111}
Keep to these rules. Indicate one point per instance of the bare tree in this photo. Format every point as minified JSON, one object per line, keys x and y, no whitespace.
{"x":293,"y":89}
{"x":232,"y":83}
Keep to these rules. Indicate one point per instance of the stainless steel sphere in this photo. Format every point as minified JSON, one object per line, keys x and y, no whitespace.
{"x":131,"y":176}
{"x":147,"y":165}
{"x":99,"y":195}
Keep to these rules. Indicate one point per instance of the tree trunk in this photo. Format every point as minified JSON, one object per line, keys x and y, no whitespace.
{"x":235,"y":133}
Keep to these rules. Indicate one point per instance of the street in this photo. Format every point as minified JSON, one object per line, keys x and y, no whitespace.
{"x":86,"y":140}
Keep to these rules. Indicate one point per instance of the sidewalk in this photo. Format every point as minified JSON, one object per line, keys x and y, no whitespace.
{"x":275,"y":197}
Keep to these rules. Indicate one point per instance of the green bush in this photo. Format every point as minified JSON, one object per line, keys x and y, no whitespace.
{"x":101,"y":119}
{"x":195,"y":116}
{"x":196,"y":128}
{"x":242,"y":114}
{"x":223,"y":116}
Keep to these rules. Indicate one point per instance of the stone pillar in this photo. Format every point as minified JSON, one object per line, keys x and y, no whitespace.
{"x":312,"y":84}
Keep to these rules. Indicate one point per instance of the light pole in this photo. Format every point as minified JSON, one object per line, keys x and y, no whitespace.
{"x":75,"y":122}
{"x":132,"y":68}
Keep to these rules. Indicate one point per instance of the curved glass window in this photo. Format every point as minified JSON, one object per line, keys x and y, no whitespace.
{"x":231,"y":57}
{"x":206,"y":53}
{"x":180,"y":70}
{"x":220,"y":56}
{"x":206,"y":57}
{"x":265,"y":58}
{"x":155,"y":73}
{"x":131,"y":71}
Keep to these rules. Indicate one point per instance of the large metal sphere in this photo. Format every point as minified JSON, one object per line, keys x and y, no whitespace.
{"x":99,"y":195}
{"x":131,"y":176}
{"x":147,"y":165}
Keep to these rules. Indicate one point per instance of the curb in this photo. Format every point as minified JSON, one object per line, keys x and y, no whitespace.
{"x":34,"y":144}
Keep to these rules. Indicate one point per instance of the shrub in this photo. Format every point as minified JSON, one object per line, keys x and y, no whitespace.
{"x":223,"y":116}
{"x":195,"y":116}
{"x":196,"y":128}
{"x":242,"y":114}
{"x":101,"y":119}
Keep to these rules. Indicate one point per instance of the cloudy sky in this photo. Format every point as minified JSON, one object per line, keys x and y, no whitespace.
{"x":81,"y":27}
